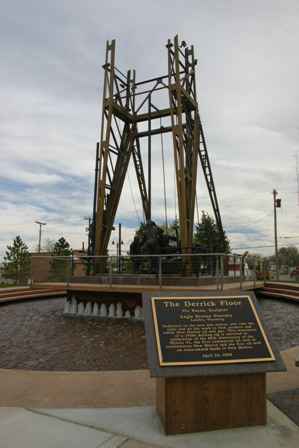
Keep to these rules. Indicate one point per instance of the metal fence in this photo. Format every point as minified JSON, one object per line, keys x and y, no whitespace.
{"x":164,"y":270}
{"x":172,"y":269}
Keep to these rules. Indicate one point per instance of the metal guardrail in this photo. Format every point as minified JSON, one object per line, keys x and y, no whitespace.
{"x":164,"y":268}
{"x":156,"y":269}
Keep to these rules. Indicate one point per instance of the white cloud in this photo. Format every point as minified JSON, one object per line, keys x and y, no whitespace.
{"x":51,"y":81}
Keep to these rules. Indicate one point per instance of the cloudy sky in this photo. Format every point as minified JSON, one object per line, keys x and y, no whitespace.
{"x":50,"y":90}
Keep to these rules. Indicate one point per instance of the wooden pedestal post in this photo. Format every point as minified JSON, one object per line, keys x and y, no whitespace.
{"x":193,"y":404}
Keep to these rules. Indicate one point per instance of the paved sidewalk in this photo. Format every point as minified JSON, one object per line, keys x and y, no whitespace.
{"x":115,"y":424}
{"x":35,"y":389}
{"x":282,"y":381}
{"x":25,"y":388}
{"x":136,"y":427}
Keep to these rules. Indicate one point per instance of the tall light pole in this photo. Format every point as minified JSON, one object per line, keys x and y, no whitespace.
{"x":276,"y":204}
{"x":40,"y":233}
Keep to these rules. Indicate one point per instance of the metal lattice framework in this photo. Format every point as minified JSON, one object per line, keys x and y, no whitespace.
{"x":130,"y":112}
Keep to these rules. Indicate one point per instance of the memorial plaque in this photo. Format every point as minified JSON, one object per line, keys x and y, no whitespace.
{"x":209,"y":330}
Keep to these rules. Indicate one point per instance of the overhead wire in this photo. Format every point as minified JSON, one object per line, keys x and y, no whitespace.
{"x":259,"y":247}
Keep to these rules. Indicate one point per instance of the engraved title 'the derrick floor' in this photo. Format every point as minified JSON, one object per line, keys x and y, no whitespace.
{"x":209,"y":330}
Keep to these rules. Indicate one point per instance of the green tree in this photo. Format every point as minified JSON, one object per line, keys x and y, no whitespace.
{"x":287,"y":257}
{"x":16,"y":265}
{"x":49,"y":245}
{"x":62,"y":247}
{"x":61,"y":262}
{"x":207,"y":237}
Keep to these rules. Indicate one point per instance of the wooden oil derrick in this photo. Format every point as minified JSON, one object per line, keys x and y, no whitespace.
{"x":129,"y":105}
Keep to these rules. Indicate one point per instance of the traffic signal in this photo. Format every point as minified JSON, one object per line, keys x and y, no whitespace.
{"x":278,"y":203}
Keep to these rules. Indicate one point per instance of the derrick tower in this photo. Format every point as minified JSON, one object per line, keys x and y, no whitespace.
{"x":132,"y":111}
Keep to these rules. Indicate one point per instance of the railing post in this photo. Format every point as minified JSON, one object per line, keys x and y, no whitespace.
{"x":160,"y":272}
{"x":221,"y":271}
{"x":254,"y":273}
{"x":69,"y":268}
{"x":110,"y":270}
{"x":72,"y":264}
{"x":234,"y":267}
{"x":241,"y":273}
{"x":217,"y":273}
{"x":30,"y":279}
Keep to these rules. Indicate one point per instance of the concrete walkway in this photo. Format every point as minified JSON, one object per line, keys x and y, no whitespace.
{"x":281,"y":381}
{"x":136,"y":427}
{"x":25,"y":388}
{"x":117,"y":414}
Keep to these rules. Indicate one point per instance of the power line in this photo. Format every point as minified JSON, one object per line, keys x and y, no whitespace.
{"x":252,"y":247}
{"x":260,"y":247}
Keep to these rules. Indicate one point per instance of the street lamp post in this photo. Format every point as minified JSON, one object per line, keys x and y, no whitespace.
{"x":40,"y":233}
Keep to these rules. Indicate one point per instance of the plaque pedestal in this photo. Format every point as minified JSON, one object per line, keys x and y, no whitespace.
{"x":204,"y":403}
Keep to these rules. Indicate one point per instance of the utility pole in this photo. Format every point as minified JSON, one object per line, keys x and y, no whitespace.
{"x":40,"y":233}
{"x":276,"y":204}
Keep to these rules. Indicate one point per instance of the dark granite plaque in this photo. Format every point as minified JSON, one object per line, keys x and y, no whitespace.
{"x":209,"y":330}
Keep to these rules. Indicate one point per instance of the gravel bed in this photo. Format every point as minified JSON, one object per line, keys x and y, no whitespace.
{"x":36,"y":335}
{"x":282,"y":321}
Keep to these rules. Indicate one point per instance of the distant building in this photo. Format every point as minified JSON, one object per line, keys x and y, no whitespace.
{"x":41,"y":265}
{"x":234,"y":268}
{"x":4,"y":281}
